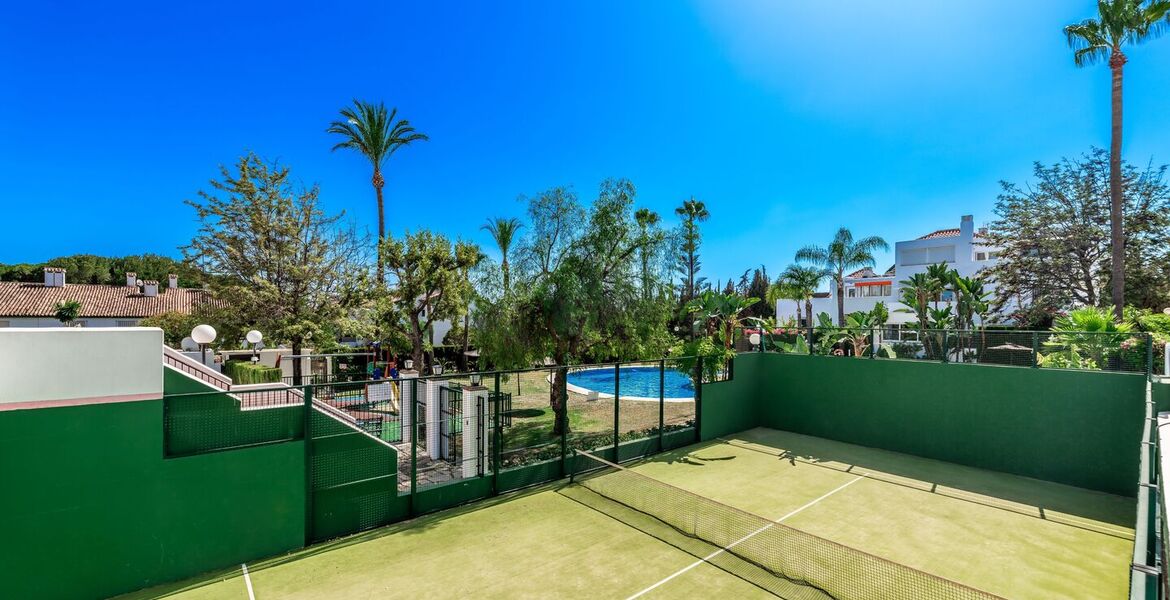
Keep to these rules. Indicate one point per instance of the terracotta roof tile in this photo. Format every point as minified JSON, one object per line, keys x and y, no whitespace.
{"x":948,"y":233}
{"x":23,"y":299}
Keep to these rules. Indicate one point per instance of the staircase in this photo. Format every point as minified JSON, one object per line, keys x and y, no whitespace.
{"x":258,"y":396}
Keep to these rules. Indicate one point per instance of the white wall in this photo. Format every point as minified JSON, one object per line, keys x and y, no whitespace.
{"x":51,"y":322}
{"x":78,"y":365}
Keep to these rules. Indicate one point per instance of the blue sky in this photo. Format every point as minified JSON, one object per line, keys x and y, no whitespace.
{"x":788,"y":118}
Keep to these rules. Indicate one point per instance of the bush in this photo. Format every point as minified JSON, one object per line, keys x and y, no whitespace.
{"x":243,"y":372}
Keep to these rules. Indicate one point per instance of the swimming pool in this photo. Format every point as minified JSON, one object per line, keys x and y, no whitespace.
{"x":637,"y":382}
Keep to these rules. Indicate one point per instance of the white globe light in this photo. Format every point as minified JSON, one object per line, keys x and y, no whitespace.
{"x":203,"y":334}
{"x":254,"y":337}
{"x":755,"y":339}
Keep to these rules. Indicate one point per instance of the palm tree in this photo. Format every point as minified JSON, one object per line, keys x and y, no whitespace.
{"x":692,"y":212}
{"x":646,"y":220}
{"x":503,"y":231}
{"x":67,"y":312}
{"x":376,"y":134}
{"x":1119,"y":22}
{"x":842,"y":254}
{"x":803,"y":282}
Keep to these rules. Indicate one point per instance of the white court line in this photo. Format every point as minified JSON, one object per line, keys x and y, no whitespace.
{"x":248,"y":582}
{"x":744,"y":538}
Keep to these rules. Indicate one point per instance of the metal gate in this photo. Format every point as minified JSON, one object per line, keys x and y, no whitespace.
{"x":451,"y":424}
{"x":502,"y":403}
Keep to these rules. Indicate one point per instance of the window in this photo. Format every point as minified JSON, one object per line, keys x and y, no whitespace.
{"x":851,"y":292}
{"x":5,"y":324}
{"x":992,"y":255}
{"x":947,"y":296}
{"x":125,"y":323}
{"x":980,"y":256}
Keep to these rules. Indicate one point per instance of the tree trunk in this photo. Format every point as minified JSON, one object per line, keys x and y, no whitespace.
{"x":1117,"y":238}
{"x":558,"y":399}
{"x":841,"y":298}
{"x":466,"y":339}
{"x":798,"y":319}
{"x":378,"y":183}
{"x":296,"y":362}
{"x":808,"y":310}
{"x":507,"y":275}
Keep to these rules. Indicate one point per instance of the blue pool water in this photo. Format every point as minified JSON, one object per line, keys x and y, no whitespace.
{"x":636,"y":381}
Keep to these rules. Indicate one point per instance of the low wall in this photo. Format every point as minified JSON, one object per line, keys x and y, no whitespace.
{"x":91,"y":508}
{"x":63,"y":366}
{"x":1074,"y":427}
{"x":734,"y":405}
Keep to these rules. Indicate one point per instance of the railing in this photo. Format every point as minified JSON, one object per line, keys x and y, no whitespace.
{"x":1095,"y":351}
{"x":200,"y":371}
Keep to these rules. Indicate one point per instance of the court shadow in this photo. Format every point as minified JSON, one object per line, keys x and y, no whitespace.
{"x":1002,"y":490}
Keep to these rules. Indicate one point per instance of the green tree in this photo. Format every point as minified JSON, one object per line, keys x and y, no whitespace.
{"x":577,"y":294}
{"x":1055,"y":237}
{"x":1086,"y":338}
{"x":431,"y":284}
{"x":1118,"y":23}
{"x":647,"y":226}
{"x":67,"y":311}
{"x":175,"y":325}
{"x":282,"y":265}
{"x":802,"y":282}
{"x":503,"y":232}
{"x":841,"y":255}
{"x":692,"y":213}
{"x":376,"y":134}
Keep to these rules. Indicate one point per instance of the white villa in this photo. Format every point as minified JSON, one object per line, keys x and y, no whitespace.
{"x":964,"y":249}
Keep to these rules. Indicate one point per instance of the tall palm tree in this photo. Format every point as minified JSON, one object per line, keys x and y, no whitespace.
{"x":377,"y":134}
{"x":692,"y":213}
{"x":503,"y":231}
{"x":803,"y":282}
{"x":646,"y":219}
{"x":1119,"y":22}
{"x":842,"y":254}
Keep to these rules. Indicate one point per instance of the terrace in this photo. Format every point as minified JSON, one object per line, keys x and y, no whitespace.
{"x":784,"y":475}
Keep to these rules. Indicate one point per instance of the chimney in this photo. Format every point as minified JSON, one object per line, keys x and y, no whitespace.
{"x":967,"y":227}
{"x":173,"y":281}
{"x":54,"y":277}
{"x":149,"y":288}
{"x":131,"y":279}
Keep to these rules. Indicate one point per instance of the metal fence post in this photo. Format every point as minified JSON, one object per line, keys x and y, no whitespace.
{"x":698,"y":397}
{"x":1035,"y":349}
{"x":873,"y":343}
{"x":413,"y":442}
{"x":498,"y":441}
{"x":617,"y":401}
{"x":308,"y":439}
{"x":563,"y":396}
{"x":1149,"y":356}
{"x":661,"y":401}
{"x":945,"y":342}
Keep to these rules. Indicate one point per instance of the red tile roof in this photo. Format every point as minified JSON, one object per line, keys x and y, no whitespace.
{"x":868,"y":272}
{"x":23,"y":299}
{"x":948,"y":233}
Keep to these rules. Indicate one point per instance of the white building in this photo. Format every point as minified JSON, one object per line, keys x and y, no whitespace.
{"x":25,"y":304}
{"x":963,"y":249}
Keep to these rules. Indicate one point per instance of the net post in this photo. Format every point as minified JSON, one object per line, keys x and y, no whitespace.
{"x":617,"y":401}
{"x":498,"y":438}
{"x":661,"y":401}
{"x":308,"y":440}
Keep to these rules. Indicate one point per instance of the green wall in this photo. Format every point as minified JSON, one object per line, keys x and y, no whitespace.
{"x":1073,"y":427}
{"x":91,"y":508}
{"x":733,"y":405}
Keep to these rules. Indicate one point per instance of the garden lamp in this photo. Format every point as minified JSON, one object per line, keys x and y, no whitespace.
{"x":254,"y":337}
{"x":203,"y":335}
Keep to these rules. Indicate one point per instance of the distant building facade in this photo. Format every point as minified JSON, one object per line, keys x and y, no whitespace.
{"x":30,"y":304}
{"x":963,"y":249}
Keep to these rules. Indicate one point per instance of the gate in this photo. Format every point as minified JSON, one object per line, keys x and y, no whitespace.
{"x":451,"y":424}
{"x":502,"y":403}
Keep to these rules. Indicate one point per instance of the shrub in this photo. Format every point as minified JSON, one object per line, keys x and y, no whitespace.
{"x":243,"y":372}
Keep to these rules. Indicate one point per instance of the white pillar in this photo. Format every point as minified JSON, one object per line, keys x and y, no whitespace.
{"x":474,"y":428}
{"x":434,"y":417}
{"x":406,"y":405}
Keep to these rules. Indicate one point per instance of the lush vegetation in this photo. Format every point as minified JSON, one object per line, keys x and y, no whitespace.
{"x":244,"y":372}
{"x":89,"y":268}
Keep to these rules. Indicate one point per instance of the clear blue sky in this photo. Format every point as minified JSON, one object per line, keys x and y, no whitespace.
{"x":788,"y":118}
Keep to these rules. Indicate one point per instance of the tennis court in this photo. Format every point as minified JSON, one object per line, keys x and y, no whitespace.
{"x":758,"y":514}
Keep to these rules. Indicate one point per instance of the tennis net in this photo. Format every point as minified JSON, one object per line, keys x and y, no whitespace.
{"x":793,"y":556}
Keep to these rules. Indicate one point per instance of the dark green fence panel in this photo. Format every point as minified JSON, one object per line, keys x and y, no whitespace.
{"x":451,"y":494}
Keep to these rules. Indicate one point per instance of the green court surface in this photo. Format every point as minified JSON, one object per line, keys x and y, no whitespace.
{"x":1005,"y":535}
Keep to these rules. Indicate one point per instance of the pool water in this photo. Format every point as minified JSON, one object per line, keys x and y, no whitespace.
{"x":636,"y":381}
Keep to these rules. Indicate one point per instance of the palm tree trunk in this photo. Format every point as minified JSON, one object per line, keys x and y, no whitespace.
{"x":840,"y":298}
{"x":808,"y":310}
{"x":798,"y":319}
{"x":507,"y":275}
{"x":1117,"y":238}
{"x":378,"y":183}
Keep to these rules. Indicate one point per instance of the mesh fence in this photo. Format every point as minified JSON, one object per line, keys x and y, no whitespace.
{"x":1095,"y":351}
{"x":816,"y":567}
{"x":210,"y":422}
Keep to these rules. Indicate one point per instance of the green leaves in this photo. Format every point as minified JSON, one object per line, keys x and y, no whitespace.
{"x":369,"y":129}
{"x":67,"y":311}
{"x":1118,"y":22}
